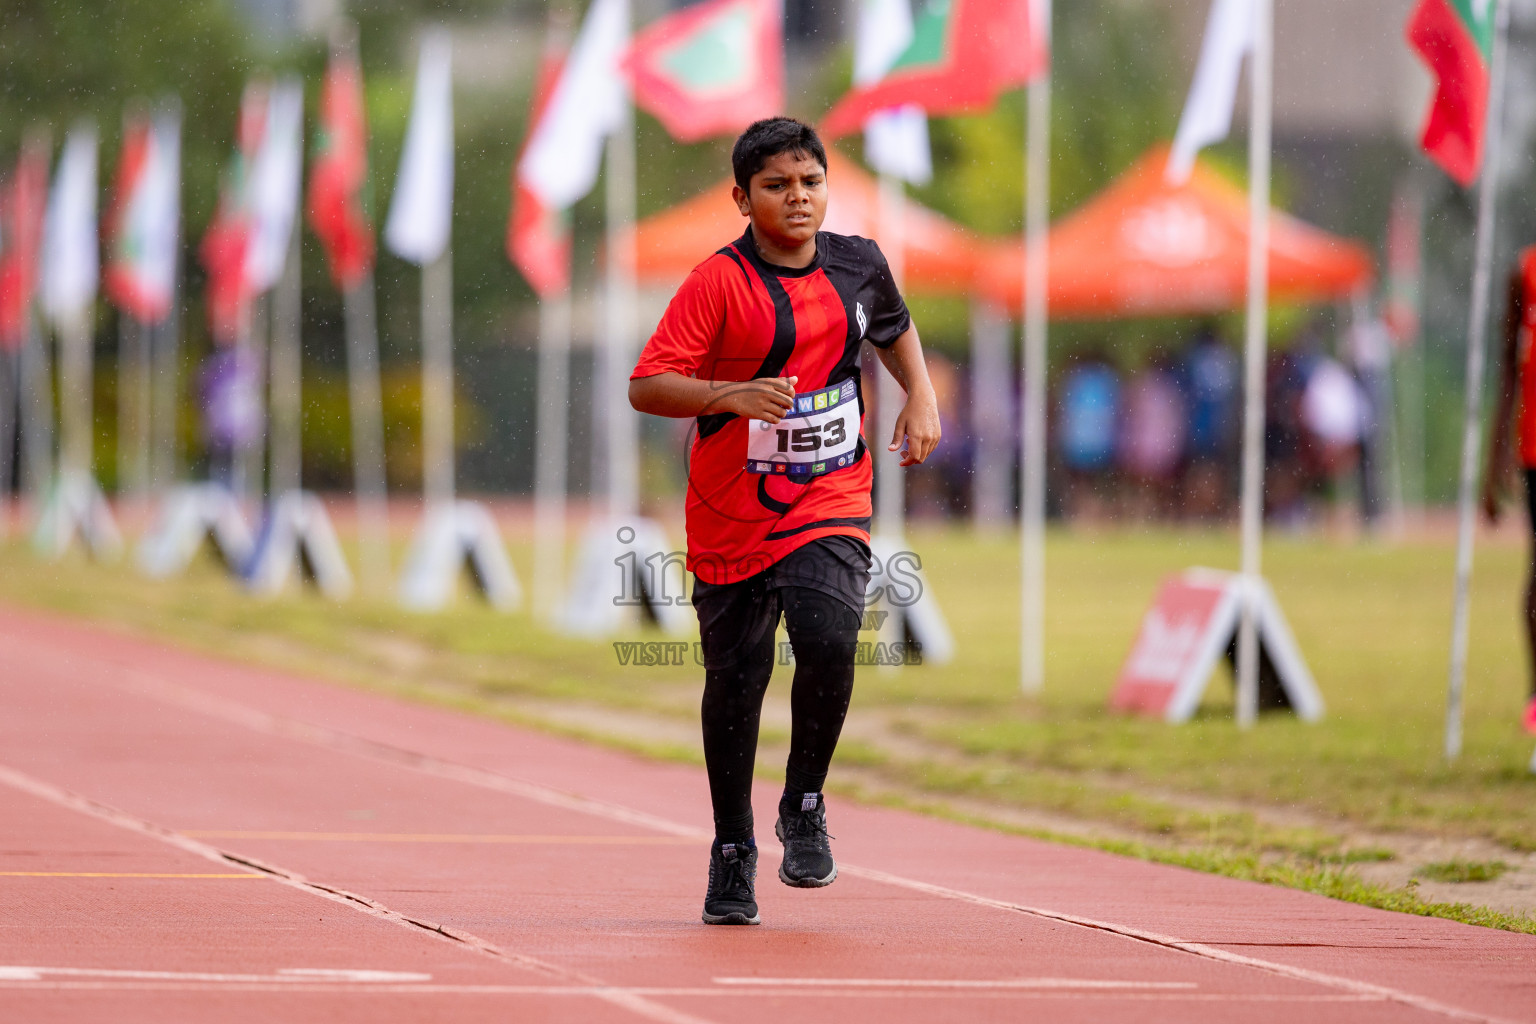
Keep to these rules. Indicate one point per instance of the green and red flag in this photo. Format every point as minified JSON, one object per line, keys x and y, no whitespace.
{"x":338,"y":181}
{"x":143,"y":220}
{"x":1455,"y":39}
{"x":22,"y":199}
{"x":226,"y":241}
{"x":712,"y":68}
{"x":962,"y":55}
{"x":539,"y":235}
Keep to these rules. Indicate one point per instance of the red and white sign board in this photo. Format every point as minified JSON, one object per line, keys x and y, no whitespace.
{"x":1191,"y":625}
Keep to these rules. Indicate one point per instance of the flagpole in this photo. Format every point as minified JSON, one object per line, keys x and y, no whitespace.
{"x":166,"y":364}
{"x":619,"y":308}
{"x":367,"y":433}
{"x":1032,"y":392}
{"x":437,"y":475}
{"x":132,"y":407}
{"x":285,"y":385}
{"x":549,"y":470}
{"x":1254,"y":353}
{"x":1477,"y":340}
{"x":890,"y":487}
{"x":37,"y":415}
{"x":10,"y":394}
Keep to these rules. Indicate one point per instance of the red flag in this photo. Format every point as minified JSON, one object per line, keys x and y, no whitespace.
{"x":338,"y":181}
{"x":712,"y":68}
{"x":538,"y":237}
{"x":225,"y":243}
{"x":963,"y":54}
{"x":1456,"y":42}
{"x":22,"y":200}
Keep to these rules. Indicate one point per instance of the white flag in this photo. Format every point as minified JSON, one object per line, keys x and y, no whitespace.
{"x":277,"y":172}
{"x":71,"y":258}
{"x":895,"y":141}
{"x":421,"y":210}
{"x":161,"y":208}
{"x":1207,"y":118}
{"x":561,"y":162}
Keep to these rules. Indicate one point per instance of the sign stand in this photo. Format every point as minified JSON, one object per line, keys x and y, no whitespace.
{"x":452,"y":535}
{"x":76,"y":506}
{"x":622,"y":568}
{"x":297,"y":530}
{"x":897,"y":586}
{"x":191,"y":515}
{"x":1193,"y":623}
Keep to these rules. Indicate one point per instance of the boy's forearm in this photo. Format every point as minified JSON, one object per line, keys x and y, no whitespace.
{"x":671,"y":394}
{"x":904,"y":361}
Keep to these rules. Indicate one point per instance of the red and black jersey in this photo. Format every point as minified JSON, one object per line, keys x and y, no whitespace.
{"x":737,"y":318}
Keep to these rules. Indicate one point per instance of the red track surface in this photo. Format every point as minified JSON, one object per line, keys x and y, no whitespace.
{"x":182,"y":834}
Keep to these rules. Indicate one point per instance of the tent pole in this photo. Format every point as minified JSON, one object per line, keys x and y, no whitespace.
{"x":890,"y":485}
{"x":619,"y":308}
{"x":1032,"y":450}
{"x":1477,"y":342}
{"x":1255,"y":347}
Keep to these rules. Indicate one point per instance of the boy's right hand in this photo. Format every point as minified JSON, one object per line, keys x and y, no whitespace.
{"x":766,"y":398}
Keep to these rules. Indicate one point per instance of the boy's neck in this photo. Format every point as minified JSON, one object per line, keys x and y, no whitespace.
{"x":796,"y":257}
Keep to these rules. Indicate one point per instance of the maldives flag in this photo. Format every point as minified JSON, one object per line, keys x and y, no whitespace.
{"x":143,"y":220}
{"x":226,"y":247}
{"x":338,"y":180}
{"x":539,"y":236}
{"x":962,"y":55}
{"x":21,"y":234}
{"x":712,"y":68}
{"x":1455,"y":39}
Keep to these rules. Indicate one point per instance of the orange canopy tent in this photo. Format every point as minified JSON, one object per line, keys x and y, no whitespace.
{"x":1144,"y":247}
{"x":941,"y":256}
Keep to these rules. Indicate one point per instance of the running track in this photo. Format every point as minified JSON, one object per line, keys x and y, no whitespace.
{"x":190,"y":839}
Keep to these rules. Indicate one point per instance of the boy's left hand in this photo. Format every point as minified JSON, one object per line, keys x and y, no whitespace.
{"x":918,"y":423}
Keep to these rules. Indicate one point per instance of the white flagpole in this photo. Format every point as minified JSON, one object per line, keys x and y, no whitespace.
{"x":1477,"y":341}
{"x":890,"y":485}
{"x":1255,"y":351}
{"x":619,"y":322}
{"x":549,"y":470}
{"x":286,"y":366}
{"x":1032,"y":449}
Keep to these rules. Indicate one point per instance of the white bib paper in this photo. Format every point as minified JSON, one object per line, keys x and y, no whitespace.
{"x":819,"y":435}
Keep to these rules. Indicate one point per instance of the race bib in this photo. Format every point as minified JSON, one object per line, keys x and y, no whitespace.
{"x":819,"y":435}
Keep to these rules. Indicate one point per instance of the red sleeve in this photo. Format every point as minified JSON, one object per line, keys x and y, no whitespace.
{"x":687,"y":330}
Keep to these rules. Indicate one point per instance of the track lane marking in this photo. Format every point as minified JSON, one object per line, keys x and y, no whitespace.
{"x":289,"y":975}
{"x":134,"y":679}
{"x":952,"y":983}
{"x":429,"y":837}
{"x":119,"y":874}
{"x":637,"y":1004}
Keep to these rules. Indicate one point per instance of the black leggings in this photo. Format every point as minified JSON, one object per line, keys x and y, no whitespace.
{"x":823,"y":632}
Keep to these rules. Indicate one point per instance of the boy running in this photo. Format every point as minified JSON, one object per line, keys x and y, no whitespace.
{"x":1518,"y":390}
{"x":761,"y":347}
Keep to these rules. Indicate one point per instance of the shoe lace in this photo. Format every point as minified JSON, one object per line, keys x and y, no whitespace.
{"x":731,"y":877}
{"x":808,"y":827}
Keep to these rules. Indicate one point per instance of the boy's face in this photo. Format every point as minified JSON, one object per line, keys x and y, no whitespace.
{"x":787,"y":199}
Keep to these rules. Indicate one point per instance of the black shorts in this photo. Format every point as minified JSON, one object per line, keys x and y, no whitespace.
{"x":735,"y":618}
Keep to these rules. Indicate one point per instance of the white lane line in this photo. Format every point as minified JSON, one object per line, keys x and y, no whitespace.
{"x":431,"y":837}
{"x":291,"y":975}
{"x":136,"y":679}
{"x":463,"y":940}
{"x":610,"y":992}
{"x":952,"y":983}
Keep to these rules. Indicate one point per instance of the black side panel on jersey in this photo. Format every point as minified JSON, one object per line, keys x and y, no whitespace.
{"x":713,"y":422}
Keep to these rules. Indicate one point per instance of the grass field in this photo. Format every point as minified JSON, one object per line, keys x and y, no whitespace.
{"x":1284,"y":801}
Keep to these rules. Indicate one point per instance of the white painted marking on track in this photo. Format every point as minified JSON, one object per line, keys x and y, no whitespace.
{"x":137,"y":680}
{"x":291,"y":976}
{"x":953,"y":983}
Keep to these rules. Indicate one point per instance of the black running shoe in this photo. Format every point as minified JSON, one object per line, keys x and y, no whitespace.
{"x":802,"y":828}
{"x":732,"y":873}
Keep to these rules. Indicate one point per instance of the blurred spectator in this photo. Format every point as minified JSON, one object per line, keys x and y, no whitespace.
{"x":231,"y":409}
{"x":1286,"y":471}
{"x":1370,"y":354}
{"x":1333,"y":411}
{"x":1087,"y":412}
{"x":1211,"y":372}
{"x":1153,"y":428}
